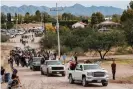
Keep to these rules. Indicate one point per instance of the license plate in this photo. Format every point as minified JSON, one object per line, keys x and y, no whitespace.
{"x":98,"y":80}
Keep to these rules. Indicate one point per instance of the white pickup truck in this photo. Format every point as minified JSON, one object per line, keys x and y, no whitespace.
{"x":52,"y":67}
{"x":88,"y":73}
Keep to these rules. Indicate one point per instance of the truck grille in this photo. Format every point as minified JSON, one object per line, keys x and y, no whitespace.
{"x":57,"y":68}
{"x":99,"y":74}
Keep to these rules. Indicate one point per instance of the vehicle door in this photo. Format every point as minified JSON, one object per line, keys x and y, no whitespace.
{"x":77,"y":73}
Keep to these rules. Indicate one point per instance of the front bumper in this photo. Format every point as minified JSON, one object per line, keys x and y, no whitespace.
{"x":57,"y":71}
{"x":92,"y":79}
{"x":36,"y":67}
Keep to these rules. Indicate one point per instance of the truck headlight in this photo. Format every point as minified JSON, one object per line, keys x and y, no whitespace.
{"x":50,"y":68}
{"x":89,"y":73}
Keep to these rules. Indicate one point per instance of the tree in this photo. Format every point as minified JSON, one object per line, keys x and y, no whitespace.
{"x":27,"y":18}
{"x":20,"y":18}
{"x":127,"y":14}
{"x":9,"y":17}
{"x":128,"y":31}
{"x":38,"y":16}
{"x":131,"y":4}
{"x":3,"y":18}
{"x":116,"y":18}
{"x":97,"y":18}
{"x":49,"y":41}
{"x":103,"y":42}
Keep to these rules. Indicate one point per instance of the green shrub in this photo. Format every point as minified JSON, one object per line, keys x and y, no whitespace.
{"x":4,"y":38}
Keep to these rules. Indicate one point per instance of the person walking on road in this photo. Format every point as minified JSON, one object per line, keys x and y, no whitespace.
{"x":64,"y":58}
{"x":2,"y":74}
{"x":113,"y":66}
{"x":10,"y":61}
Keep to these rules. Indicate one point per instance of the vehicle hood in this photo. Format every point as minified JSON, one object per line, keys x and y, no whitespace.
{"x":56,"y":66}
{"x":96,"y":70}
{"x":36,"y":63}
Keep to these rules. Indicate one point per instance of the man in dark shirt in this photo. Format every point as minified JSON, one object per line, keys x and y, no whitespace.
{"x":113,"y":66}
{"x":2,"y":73}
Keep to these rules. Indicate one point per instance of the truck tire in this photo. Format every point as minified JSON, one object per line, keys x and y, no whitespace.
{"x":48,"y":73}
{"x":42,"y":72}
{"x":63,"y":74}
{"x":30,"y":68}
{"x":33,"y":68}
{"x":71,"y":81}
{"x":104,"y":83}
{"x":84,"y":82}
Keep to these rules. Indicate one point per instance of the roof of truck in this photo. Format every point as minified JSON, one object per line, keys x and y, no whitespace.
{"x":87,"y":64}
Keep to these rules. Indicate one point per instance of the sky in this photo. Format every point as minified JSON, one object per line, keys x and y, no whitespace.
{"x":51,"y":3}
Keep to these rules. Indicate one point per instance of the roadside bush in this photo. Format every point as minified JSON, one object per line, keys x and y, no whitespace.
{"x":4,"y":38}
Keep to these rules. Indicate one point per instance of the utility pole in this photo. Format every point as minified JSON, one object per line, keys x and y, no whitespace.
{"x":57,"y":27}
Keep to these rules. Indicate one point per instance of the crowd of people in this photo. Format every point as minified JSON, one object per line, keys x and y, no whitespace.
{"x":24,"y":39}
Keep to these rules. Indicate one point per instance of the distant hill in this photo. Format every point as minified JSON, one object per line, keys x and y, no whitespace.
{"x":76,"y":9}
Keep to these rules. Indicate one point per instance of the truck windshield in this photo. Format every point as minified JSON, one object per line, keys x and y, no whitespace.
{"x":88,"y":67}
{"x":37,"y":59}
{"x":54,"y":63}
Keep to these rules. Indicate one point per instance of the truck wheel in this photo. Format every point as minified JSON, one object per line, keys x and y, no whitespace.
{"x":30,"y":68}
{"x":33,"y":68}
{"x":104,"y":83}
{"x":71,"y":81}
{"x":42,"y":72}
{"x":63,"y":74}
{"x":84,"y":82}
{"x":48,"y":73}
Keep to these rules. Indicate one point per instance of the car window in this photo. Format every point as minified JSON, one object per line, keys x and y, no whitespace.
{"x":53,"y":63}
{"x":88,"y":67}
{"x":78,"y":67}
{"x":81,"y":67}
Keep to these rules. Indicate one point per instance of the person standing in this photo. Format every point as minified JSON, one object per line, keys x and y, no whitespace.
{"x":2,"y":74}
{"x":76,"y":58}
{"x":64,"y":58}
{"x":113,"y":66}
{"x":10,"y":61}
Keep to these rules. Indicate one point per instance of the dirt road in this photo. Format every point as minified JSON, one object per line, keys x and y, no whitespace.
{"x":34,"y":79}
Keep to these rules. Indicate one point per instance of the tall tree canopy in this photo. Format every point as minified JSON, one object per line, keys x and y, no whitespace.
{"x":9,"y":17}
{"x":97,"y":18}
{"x":3,"y":18}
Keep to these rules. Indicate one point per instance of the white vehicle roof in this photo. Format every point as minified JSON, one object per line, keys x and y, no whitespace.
{"x":51,"y":60}
{"x":87,"y":64}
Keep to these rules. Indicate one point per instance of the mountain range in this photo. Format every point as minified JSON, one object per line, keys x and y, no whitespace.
{"x":76,"y":9}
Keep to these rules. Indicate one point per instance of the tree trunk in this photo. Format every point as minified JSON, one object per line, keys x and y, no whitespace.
{"x":105,"y":54}
{"x":100,"y":54}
